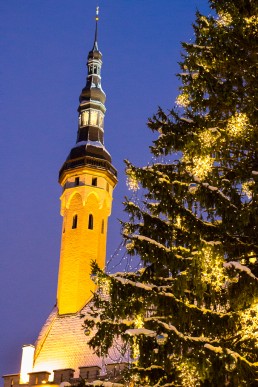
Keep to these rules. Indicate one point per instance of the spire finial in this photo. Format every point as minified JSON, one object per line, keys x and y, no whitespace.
{"x":95,"y":46}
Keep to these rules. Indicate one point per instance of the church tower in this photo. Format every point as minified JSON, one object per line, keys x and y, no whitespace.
{"x":88,"y":179}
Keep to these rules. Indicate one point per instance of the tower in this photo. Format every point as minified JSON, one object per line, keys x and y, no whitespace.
{"x":88,"y":179}
{"x":61,"y":352}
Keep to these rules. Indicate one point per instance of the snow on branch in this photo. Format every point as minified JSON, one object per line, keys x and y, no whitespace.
{"x":141,"y":331}
{"x":211,"y":188}
{"x":240,"y":268}
{"x":126,"y":281}
{"x":158,"y":245}
{"x":188,"y":120}
{"x":235,"y":355}
{"x":152,"y":242}
{"x":149,"y":287}
{"x":183,"y":337}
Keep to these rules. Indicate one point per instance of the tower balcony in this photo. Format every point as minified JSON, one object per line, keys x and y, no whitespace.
{"x":87,"y":161}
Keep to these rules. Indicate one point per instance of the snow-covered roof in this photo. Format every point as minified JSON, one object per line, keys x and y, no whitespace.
{"x":62,"y":344}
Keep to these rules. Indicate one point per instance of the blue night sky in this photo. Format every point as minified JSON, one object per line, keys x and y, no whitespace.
{"x":44,"y":48}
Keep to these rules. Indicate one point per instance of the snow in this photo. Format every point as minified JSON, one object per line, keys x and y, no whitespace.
{"x":126,"y":281}
{"x":140,"y":331}
{"x":237,"y":266}
{"x":97,"y":144}
{"x":213,"y":349}
{"x":151,"y":241}
{"x":172,"y":328}
{"x":210,"y":187}
{"x":254,"y":172}
{"x":213,"y":243}
{"x":235,"y":355}
{"x":186,"y":120}
{"x":201,"y":47}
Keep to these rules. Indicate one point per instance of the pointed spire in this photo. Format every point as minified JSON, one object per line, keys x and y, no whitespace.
{"x":95,"y":45}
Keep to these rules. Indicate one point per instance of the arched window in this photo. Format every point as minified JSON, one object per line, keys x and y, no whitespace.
{"x":90,"y":224}
{"x":75,"y":220}
{"x":102,"y":226}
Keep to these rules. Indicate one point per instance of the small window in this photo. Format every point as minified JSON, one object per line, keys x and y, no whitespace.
{"x":87,"y":375}
{"x":107,"y":187}
{"x":90,"y":224}
{"x":61,"y":378}
{"x":102,"y":226}
{"x":94,"y":181}
{"x":77,"y":181}
{"x":75,"y":219}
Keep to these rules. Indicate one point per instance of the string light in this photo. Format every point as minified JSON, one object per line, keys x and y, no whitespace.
{"x":199,"y":166}
{"x":208,"y":137}
{"x":131,"y":182}
{"x":247,"y":188}
{"x":224,"y":19}
{"x":183,"y":100}
{"x":212,"y":269}
{"x":238,"y":125}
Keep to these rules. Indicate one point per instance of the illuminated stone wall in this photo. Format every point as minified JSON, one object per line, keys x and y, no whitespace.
{"x":86,"y":193}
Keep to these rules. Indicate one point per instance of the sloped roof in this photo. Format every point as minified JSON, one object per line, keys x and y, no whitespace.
{"x":62,"y":344}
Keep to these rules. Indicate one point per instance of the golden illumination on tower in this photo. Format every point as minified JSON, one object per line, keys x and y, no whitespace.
{"x":88,"y":179}
{"x":85,"y":206}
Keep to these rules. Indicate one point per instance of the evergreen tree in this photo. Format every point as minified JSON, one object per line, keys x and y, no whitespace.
{"x":190,"y":315}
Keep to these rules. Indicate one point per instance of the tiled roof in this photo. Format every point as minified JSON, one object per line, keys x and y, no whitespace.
{"x":62,"y":344}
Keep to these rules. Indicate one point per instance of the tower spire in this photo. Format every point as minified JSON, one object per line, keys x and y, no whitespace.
{"x":95,"y":45}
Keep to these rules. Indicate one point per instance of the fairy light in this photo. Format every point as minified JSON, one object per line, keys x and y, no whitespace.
{"x":224,"y":19}
{"x":251,"y":24}
{"x":138,"y":321}
{"x":183,"y":100}
{"x":104,"y":284}
{"x":135,"y":349}
{"x":208,"y":137}
{"x":249,"y":324}
{"x":252,"y":257}
{"x":178,"y":221}
{"x":188,"y":374}
{"x":187,"y":370}
{"x":200,"y":165}
{"x":131,"y":182}
{"x":247,"y":188}
{"x":193,"y":189}
{"x":213,"y":271}
{"x":237,"y":125}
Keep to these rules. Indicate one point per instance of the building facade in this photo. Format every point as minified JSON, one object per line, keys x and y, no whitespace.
{"x":87,"y":177}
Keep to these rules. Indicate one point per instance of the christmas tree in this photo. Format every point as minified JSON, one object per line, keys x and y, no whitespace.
{"x":189,"y":316}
